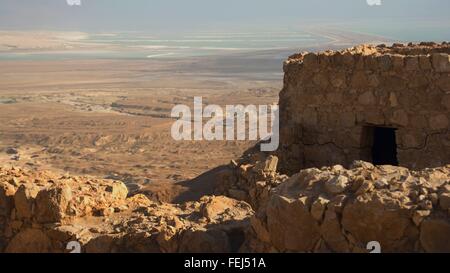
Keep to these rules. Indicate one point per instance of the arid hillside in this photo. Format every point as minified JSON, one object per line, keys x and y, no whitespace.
{"x":111,"y":119}
{"x":259,"y":202}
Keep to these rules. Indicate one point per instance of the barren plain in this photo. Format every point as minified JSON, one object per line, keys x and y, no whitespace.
{"x":110,"y":118}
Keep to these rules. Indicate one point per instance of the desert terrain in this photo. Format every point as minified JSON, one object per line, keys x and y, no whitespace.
{"x":87,"y":157}
{"x":110,"y":118}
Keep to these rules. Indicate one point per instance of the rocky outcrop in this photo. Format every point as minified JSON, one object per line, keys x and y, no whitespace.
{"x":43,"y":212}
{"x":332,"y":209}
{"x":330,"y":104}
{"x":251,"y":179}
{"x":338,"y":210}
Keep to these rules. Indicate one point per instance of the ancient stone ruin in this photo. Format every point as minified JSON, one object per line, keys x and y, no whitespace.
{"x":332,"y":209}
{"x":386,"y":105}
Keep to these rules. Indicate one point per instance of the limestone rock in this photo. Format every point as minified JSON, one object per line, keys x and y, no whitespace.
{"x":366,"y":187}
{"x":29,"y":241}
{"x":51,"y":204}
{"x":435,"y":235}
{"x":337,"y":184}
{"x":291,"y":226}
{"x":362,"y":164}
{"x":24,"y":200}
{"x":271,"y":164}
{"x":419,"y":216}
{"x":220,"y":207}
{"x":441,"y":62}
{"x":381,"y":183}
{"x":444,"y":201}
{"x":118,"y":190}
{"x":101,"y":218}
{"x":304,"y":215}
{"x":318,"y":208}
{"x":205,"y":241}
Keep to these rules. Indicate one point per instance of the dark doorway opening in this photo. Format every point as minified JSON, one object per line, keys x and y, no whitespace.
{"x":384,"y":148}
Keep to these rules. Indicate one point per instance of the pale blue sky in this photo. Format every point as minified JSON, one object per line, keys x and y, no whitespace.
{"x":182,"y":15}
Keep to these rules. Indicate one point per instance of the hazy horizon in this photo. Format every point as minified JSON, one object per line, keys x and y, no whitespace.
{"x":180,"y":28}
{"x":173,"y":16}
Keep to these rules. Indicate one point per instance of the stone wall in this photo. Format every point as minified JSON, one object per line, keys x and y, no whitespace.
{"x":332,"y":101}
{"x":334,"y":209}
{"x":251,"y":179}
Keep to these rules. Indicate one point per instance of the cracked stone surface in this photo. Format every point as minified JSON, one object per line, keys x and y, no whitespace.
{"x":401,"y":212}
{"x":331,"y":101}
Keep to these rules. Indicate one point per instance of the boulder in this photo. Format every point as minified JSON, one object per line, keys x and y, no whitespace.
{"x":336,"y":184}
{"x":29,"y":241}
{"x":444,"y":200}
{"x":118,"y":190}
{"x":435,"y":235}
{"x":318,"y":208}
{"x":24,"y":200}
{"x":51,"y":204}
{"x":11,"y":151}
{"x":291,"y":226}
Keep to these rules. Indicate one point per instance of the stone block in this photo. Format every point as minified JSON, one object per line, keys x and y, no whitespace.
{"x":441,"y":62}
{"x":412,"y":63}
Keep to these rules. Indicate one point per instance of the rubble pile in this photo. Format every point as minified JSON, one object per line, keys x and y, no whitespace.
{"x":338,"y":210}
{"x":42,"y":212}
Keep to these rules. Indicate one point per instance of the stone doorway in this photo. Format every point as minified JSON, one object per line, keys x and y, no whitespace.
{"x":384,"y":146}
{"x":379,"y":145}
